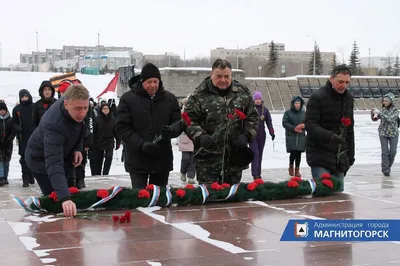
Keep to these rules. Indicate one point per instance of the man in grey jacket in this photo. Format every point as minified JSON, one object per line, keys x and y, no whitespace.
{"x":57,"y":143}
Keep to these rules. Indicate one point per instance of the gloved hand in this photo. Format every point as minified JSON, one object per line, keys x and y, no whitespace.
{"x":149,"y":147}
{"x":241,"y":141}
{"x":272,"y":136}
{"x":117,"y":146}
{"x":335,"y":140}
{"x":168,"y":132}
{"x":206,"y":141}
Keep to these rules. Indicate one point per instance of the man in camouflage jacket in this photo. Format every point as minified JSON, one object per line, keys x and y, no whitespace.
{"x":215,"y":128}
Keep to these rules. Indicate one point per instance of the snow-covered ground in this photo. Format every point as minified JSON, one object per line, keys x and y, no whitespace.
{"x":275,"y":156}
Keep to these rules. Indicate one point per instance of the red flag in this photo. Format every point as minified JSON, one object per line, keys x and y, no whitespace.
{"x":111,"y":86}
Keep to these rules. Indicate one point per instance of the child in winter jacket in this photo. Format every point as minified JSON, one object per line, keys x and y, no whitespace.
{"x":7,"y":134}
{"x":388,"y":131}
{"x":186,"y":147}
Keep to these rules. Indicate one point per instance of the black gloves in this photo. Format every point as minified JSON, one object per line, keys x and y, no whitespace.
{"x":206,"y":141}
{"x":272,"y":136}
{"x":150,"y":147}
{"x":241,"y":141}
{"x":168,"y":132}
{"x":335,"y":140}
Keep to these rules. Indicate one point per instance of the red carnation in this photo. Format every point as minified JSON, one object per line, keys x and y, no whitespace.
{"x":225,"y":185}
{"x":326,"y":175}
{"x":180,"y":193}
{"x":18,"y":113}
{"x":296,"y":179}
{"x":122,"y":219}
{"x":73,"y":190}
{"x":143,"y":194}
{"x":345,"y":121}
{"x":102,"y":193}
{"x":127,"y":216}
{"x":53,"y":196}
{"x":115,"y":218}
{"x":189,"y":186}
{"x":292,"y":184}
{"x":150,"y":187}
{"x":252,"y":186}
{"x":216,"y":186}
{"x":258,"y":181}
{"x":231,"y":116}
{"x":328,"y":183}
{"x":186,"y":119}
{"x":240,"y":114}
{"x":45,"y":105}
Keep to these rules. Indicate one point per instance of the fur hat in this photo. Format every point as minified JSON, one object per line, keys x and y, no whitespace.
{"x":150,"y":71}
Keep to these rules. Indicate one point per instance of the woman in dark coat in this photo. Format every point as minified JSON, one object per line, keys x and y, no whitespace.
{"x":257,"y":145}
{"x":7,"y":134}
{"x":292,"y":121}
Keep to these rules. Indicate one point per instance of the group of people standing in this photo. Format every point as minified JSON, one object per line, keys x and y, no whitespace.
{"x":221,"y":130}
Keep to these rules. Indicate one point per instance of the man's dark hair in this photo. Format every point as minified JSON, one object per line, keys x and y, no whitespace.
{"x":222,"y":64}
{"x":341,"y":69}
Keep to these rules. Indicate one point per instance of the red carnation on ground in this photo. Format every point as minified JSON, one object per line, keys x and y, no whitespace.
{"x":251,"y":186}
{"x":327,"y":182}
{"x":216,"y":186}
{"x":240,"y":114}
{"x":189,"y":186}
{"x":53,"y":196}
{"x":150,"y":187}
{"x":225,"y":185}
{"x":296,"y":179}
{"x":102,"y":193}
{"x":258,"y":181}
{"x":186,"y":118}
{"x":345,"y":121}
{"x":127,"y":216}
{"x":73,"y":190}
{"x":122,"y":219}
{"x":180,"y":193}
{"x":326,"y":175}
{"x":115,"y":218}
{"x":292,"y":184}
{"x":143,"y":194}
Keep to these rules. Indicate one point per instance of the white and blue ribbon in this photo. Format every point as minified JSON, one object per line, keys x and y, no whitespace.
{"x":156,"y":196}
{"x":168,"y":195}
{"x":204,"y":192}
{"x":232,"y":191}
{"x":312,"y":185}
{"x":116,"y":190}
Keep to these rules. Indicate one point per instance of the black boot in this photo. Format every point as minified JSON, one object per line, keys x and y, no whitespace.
{"x":31,"y":180}
{"x":71,"y":180}
{"x":2,"y":181}
{"x":25,"y":183}
{"x":6,"y":181}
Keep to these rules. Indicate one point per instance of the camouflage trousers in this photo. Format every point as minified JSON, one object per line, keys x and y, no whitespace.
{"x":207,"y":173}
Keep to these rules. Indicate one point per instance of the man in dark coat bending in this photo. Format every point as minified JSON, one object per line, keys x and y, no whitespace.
{"x":330,"y":141}
{"x":58,"y":143}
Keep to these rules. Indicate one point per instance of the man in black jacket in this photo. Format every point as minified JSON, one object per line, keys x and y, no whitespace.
{"x":330,"y":139}
{"x":23,"y":122}
{"x":142,"y":113}
{"x":58,"y":143}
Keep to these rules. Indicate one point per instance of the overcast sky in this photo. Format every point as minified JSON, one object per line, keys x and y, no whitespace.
{"x":159,"y":26}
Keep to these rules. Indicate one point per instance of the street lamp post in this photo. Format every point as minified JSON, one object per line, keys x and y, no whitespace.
{"x":259,"y":70}
{"x":283,"y":71}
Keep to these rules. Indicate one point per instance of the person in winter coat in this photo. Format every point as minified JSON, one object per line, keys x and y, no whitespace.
{"x":46,"y":92}
{"x":292,"y":121}
{"x":187,"y":161}
{"x":113,"y":107}
{"x":7,"y":134}
{"x":257,"y":145}
{"x":142,"y":113}
{"x":329,"y":122}
{"x":103,"y":144}
{"x":58,"y":143}
{"x":23,"y":122}
{"x":223,"y":120}
{"x":388,"y":131}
